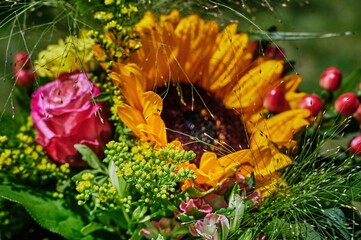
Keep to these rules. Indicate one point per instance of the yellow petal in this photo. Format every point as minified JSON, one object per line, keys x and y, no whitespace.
{"x":152,"y":104}
{"x":279,"y":128}
{"x":252,"y":87}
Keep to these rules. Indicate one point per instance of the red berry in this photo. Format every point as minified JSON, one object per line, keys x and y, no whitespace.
{"x":347,"y":104}
{"x":331,"y":79}
{"x":21,"y":60}
{"x":24,"y":78}
{"x":357,"y":114}
{"x":275,"y":100}
{"x":311,"y":102}
{"x":355,"y":145}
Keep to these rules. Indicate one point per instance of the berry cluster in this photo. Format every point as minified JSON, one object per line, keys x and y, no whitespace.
{"x":347,"y":104}
{"x":24,"y":76}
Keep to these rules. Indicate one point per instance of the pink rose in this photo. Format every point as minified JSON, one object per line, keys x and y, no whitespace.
{"x":64,"y":114}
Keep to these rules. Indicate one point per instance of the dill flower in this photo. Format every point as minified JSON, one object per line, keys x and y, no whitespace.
{"x":191,"y":82}
{"x":69,"y":55}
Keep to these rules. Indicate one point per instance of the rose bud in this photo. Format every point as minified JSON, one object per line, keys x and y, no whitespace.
{"x":331,"y":79}
{"x":24,"y":78}
{"x":355,"y":145}
{"x":275,"y":100}
{"x":347,"y":104}
{"x":21,"y":61}
{"x":311,"y":102}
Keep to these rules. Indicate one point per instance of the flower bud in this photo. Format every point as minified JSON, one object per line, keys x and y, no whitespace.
{"x":347,"y":104}
{"x":355,"y":145}
{"x":331,"y":79}
{"x":274,"y":52}
{"x":21,"y":61}
{"x":24,"y":78}
{"x":311,"y":102}
{"x":275,"y":100}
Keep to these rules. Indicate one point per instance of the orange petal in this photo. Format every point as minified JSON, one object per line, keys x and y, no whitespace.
{"x":131,"y":118}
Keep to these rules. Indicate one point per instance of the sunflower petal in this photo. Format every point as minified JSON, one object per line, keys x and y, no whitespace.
{"x":250,"y":89}
{"x":269,"y":129}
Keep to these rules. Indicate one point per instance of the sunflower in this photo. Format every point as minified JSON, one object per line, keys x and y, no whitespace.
{"x":193,"y":83}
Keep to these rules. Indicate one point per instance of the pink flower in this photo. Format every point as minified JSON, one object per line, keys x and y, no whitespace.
{"x":195,"y":207}
{"x":213,"y":227}
{"x":64,"y":114}
{"x":168,"y":228}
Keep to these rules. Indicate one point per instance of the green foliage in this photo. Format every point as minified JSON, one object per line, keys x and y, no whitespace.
{"x":280,"y":229}
{"x":57,"y":215}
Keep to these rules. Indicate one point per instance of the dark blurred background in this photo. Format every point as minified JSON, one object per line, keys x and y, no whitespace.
{"x":311,"y":56}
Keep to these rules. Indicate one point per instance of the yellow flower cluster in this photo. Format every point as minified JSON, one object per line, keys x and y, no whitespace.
{"x":25,"y":160}
{"x":88,"y":187}
{"x":69,"y":55}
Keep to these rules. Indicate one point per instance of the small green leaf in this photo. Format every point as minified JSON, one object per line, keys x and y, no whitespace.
{"x":139,"y":212}
{"x":103,"y":97}
{"x":89,"y":156}
{"x":195,"y":193}
{"x":91,"y":227}
{"x":185,"y":218}
{"x":56,"y":215}
{"x":118,"y":182}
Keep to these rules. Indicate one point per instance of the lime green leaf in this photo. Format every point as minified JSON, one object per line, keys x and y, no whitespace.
{"x":103,"y":97}
{"x":56,"y":215}
{"x":139,"y":212}
{"x":195,"y":193}
{"x":350,"y":83}
{"x":118,"y":181}
{"x":89,"y":156}
{"x":91,"y":227}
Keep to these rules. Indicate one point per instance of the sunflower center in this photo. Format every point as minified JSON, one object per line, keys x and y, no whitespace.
{"x":200,"y":121}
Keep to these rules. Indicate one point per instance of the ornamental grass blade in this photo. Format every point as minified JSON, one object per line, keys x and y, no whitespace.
{"x":291,"y":36}
{"x":56,"y":215}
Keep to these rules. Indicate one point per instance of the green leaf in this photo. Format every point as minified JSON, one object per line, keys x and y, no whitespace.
{"x":89,"y":156}
{"x":118,"y":182}
{"x":350,"y":83}
{"x":103,"y":97}
{"x":91,"y":227}
{"x":337,"y":220}
{"x":139,"y":212}
{"x":195,"y":193}
{"x":56,"y":215}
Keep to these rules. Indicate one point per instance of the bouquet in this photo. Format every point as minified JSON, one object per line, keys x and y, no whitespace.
{"x":162,"y":120}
